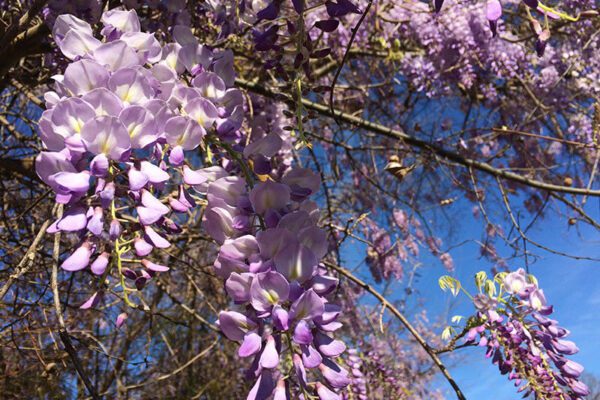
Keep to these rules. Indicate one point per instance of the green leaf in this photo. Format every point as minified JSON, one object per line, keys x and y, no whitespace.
{"x":499,"y":278}
{"x":490,"y":288}
{"x":456,"y":319}
{"x":480,"y":278}
{"x":448,"y":282}
{"x":447,"y":333}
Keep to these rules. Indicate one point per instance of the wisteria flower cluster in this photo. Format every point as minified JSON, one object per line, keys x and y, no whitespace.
{"x":117,"y":128}
{"x":271,"y":267}
{"x":520,"y":339}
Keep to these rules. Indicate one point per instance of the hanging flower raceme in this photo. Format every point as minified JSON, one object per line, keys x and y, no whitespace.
{"x":117,"y":128}
{"x":269,"y":259}
{"x":520,"y":339}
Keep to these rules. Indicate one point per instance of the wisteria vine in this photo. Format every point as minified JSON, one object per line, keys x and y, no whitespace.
{"x":125,"y":125}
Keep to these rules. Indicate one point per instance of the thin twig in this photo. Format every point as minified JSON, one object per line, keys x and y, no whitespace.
{"x":27,"y":260}
{"x":62,"y":331}
{"x":346,"y":53}
{"x":404,"y":322}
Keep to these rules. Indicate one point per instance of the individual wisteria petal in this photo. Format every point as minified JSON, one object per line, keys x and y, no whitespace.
{"x":310,"y":356}
{"x":341,"y":8}
{"x":302,"y":333}
{"x":131,"y":86}
{"x":565,"y":346}
{"x":280,"y":318}
{"x":218,"y":222}
{"x":296,"y":262}
{"x":235,"y":325}
{"x":79,"y":259}
{"x":73,"y":220}
{"x":78,"y":43}
{"x":267,"y":290}
{"x":121,"y":318}
{"x":327,"y":346}
{"x":269,"y":196}
{"x":263,"y":387}
{"x":103,"y":101}
{"x":531,"y":3}
{"x":184,"y":132}
{"x":307,"y":306}
{"x":315,"y":239}
{"x":537,"y":301}
{"x":183,"y":35}
{"x":141,"y":126}
{"x":326,"y":394}
{"x":148,"y":48}
{"x":193,"y":56}
{"x":335,"y":375}
{"x":99,"y":166}
{"x":330,"y":314}
{"x":300,"y":371}
{"x":106,"y":135}
{"x":176,"y":156}
{"x":281,"y":391}
{"x":192,"y":178}
{"x":137,"y":179}
{"x":48,"y":164}
{"x":580,"y":388}
{"x":210,"y":85}
{"x":142,"y":248}
{"x":148,"y":200}
{"x":242,"y":248}
{"x":493,"y":14}
{"x":100,"y":263}
{"x":70,"y":115}
{"x":154,"y":267}
{"x":270,"y":357}
{"x":238,"y":286}
{"x":85,"y":75}
{"x":251,"y":345}
{"x":324,"y":284}
{"x":328,"y":25}
{"x":67,"y":22}
{"x":303,"y":178}
{"x":68,"y":182}
{"x":572,"y":369}
{"x":228,"y":189}
{"x":147,"y":215}
{"x":267,"y":146}
{"x":170,"y":57}
{"x":116,"y":56}
{"x":297,"y":222}
{"x":156,"y":239}
{"x":92,"y":301}
{"x":202,"y":111}
{"x":124,"y":21}
{"x":96,"y":223}
{"x":154,"y":173}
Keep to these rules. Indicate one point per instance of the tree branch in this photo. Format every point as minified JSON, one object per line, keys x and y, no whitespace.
{"x":410,"y":140}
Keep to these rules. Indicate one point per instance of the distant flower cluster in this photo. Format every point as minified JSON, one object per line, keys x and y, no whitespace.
{"x":524,"y":343}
